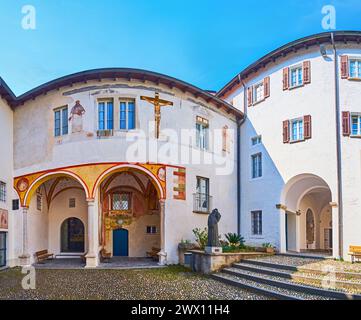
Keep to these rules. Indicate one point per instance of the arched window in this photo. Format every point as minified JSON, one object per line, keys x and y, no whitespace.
{"x":310,"y":227}
{"x":72,"y":236}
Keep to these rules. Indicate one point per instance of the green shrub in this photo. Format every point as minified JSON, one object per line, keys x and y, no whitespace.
{"x":201,"y":237}
{"x":235,"y":240}
{"x":267,"y":245}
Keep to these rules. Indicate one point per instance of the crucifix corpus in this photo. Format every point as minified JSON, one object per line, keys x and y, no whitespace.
{"x":158,"y":103}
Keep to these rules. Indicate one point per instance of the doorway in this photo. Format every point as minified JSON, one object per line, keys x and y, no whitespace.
{"x":72,"y":236}
{"x":2,"y":249}
{"x":120,"y":243}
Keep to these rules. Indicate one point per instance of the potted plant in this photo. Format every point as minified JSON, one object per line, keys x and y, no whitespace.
{"x":201,"y":237}
{"x":269,"y":248}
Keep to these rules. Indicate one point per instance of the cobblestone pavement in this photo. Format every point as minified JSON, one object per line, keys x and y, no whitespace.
{"x":175,"y":283}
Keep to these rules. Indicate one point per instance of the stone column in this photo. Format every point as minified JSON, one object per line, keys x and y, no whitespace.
{"x":92,"y":257}
{"x":335,"y":234}
{"x":298,"y":231}
{"x":162,"y":253}
{"x":283,"y":247}
{"x":24,"y":259}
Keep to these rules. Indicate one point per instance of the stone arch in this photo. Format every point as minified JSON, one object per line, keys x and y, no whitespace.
{"x":297,"y":187}
{"x":50,"y":175}
{"x":131,"y":167}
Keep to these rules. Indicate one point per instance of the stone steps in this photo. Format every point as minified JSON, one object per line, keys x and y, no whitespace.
{"x":280,"y":281}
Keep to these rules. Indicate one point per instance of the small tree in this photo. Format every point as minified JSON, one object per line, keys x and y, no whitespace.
{"x":201,"y":237}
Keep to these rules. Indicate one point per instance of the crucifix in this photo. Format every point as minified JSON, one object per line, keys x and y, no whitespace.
{"x":158,"y":103}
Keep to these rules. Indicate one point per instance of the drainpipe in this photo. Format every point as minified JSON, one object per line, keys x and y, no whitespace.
{"x":239,"y":124}
{"x":338,"y":147}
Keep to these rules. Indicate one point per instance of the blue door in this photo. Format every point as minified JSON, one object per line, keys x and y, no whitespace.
{"x":120,"y":243}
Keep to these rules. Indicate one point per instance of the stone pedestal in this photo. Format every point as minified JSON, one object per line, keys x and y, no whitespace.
{"x":162,"y":258}
{"x":91,"y":261}
{"x":24,"y":260}
{"x":213,"y":250}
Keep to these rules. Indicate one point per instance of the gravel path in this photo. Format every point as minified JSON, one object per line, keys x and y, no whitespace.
{"x":338,"y":265}
{"x":175,"y":283}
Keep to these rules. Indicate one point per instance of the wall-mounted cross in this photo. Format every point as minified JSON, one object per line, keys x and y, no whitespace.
{"x":158,"y":103}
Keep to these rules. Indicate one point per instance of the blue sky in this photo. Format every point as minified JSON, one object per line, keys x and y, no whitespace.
{"x":204,"y":42}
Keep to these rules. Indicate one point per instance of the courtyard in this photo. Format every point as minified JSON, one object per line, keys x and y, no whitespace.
{"x":173,"y":282}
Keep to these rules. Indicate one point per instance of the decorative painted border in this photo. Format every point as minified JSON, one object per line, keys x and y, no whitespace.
{"x":89,"y":176}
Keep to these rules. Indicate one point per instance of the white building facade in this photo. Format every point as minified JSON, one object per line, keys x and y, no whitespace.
{"x":277,"y":151}
{"x":300,"y":146}
{"x":88,"y":174}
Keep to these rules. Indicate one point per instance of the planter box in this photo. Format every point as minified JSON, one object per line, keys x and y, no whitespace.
{"x":270,"y":250}
{"x":182,"y":249}
{"x":208,"y":263}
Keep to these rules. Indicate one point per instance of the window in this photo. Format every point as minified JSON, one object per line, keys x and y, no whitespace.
{"x":257,"y":165}
{"x":258,"y":94}
{"x":2,"y":191}
{"x":39,"y":202}
{"x":256,"y":224}
{"x":127,"y":115}
{"x":297,"y":130}
{"x":202,"y":126}
{"x":356,"y":124}
{"x":121,"y":201}
{"x":296,"y":76}
{"x":61,"y":121}
{"x":16,"y":204}
{"x":256,"y":140}
{"x":105,"y":115}
{"x":355,"y":68}
{"x":72,"y":203}
{"x":151,"y":229}
{"x":201,"y":197}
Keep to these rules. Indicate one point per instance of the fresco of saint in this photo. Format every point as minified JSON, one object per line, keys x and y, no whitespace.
{"x":76,"y":117}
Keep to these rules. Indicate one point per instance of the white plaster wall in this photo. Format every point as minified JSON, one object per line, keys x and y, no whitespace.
{"x":6,"y":175}
{"x":37,"y":222}
{"x":180,"y":219}
{"x":36,"y":149}
{"x":281,"y":161}
{"x":350,"y":95}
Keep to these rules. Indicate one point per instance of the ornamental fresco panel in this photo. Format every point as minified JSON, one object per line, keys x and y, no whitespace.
{"x":89,"y":175}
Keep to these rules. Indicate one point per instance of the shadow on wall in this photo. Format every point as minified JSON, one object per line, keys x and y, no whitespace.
{"x":263,"y":188}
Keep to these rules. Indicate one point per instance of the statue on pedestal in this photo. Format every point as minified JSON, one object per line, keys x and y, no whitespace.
{"x":213,"y":244}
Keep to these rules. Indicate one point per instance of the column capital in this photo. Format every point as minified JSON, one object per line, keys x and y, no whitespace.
{"x":334,"y":204}
{"x":281,"y":207}
{"x":91,"y":202}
